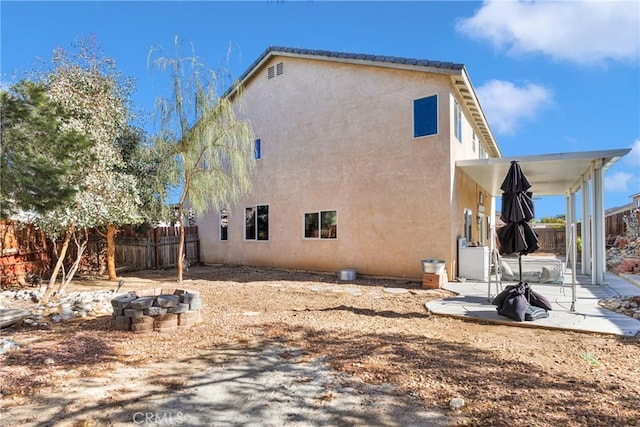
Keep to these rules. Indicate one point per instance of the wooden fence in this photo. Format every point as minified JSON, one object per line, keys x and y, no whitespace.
{"x":158,"y":248}
{"x":24,"y":253}
{"x":551,"y":239}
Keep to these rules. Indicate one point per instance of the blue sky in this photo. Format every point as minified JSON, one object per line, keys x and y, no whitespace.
{"x":552,"y":77}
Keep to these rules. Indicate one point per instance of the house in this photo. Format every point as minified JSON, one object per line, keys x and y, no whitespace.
{"x":365,"y":162}
{"x":356,"y":165}
{"x":616,"y":218}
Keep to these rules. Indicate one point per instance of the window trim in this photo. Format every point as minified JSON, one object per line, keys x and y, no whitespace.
{"x":474,"y":141}
{"x":255,"y":223}
{"x":223,"y":212}
{"x":467,"y":224}
{"x":457,"y":121}
{"x":319,"y":213}
{"x":437,"y":118}
{"x":257,"y":149}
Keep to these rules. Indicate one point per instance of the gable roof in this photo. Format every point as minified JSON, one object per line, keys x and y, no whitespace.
{"x":457,"y":72}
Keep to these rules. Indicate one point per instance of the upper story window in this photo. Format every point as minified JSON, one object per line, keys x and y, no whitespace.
{"x":482,"y":152}
{"x":257,"y":149}
{"x":425,"y":116}
{"x":257,"y":223}
{"x":321,"y":225}
{"x":474,"y":141}
{"x":457,"y":118}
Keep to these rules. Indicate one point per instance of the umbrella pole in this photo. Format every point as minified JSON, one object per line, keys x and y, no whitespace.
{"x":520,"y":266}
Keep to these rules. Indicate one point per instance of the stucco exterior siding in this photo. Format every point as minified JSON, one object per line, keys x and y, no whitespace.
{"x":340,"y":137}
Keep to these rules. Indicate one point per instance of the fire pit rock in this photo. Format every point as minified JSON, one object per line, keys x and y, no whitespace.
{"x":158,"y":309}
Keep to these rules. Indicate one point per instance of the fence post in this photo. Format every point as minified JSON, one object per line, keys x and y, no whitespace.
{"x":156,"y":252}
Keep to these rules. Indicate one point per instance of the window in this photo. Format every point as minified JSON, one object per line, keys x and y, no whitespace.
{"x":257,"y":223}
{"x":468,"y":225}
{"x":224,"y":224}
{"x":257,"y":149}
{"x":425,"y":116}
{"x":474,"y":141}
{"x":279,"y":68}
{"x":270,"y":73}
{"x":457,"y":117}
{"x":482,"y":152}
{"x":321,"y":225}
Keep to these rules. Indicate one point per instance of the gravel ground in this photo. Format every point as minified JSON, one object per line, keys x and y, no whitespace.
{"x":291,"y":348}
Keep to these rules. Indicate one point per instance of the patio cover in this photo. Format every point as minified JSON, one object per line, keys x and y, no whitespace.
{"x":560,"y":174}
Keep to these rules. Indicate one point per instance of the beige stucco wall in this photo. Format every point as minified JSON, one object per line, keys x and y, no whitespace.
{"x":340,"y":137}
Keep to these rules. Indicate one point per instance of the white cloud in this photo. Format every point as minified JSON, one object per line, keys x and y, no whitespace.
{"x":618,"y":182}
{"x":585,"y":32}
{"x":505,"y":104}
{"x":633,"y":158}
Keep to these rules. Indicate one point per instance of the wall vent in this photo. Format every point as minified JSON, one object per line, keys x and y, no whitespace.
{"x":275,"y":70}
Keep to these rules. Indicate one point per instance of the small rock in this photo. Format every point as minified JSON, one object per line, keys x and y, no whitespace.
{"x":395,"y":290}
{"x":8,"y":344}
{"x":456,"y":403}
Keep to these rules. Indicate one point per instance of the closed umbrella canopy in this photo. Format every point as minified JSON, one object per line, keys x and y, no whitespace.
{"x":517,"y":236}
{"x":515,"y":181}
{"x":517,"y":207}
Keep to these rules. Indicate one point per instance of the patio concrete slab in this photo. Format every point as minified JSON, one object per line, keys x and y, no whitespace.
{"x":474,"y":302}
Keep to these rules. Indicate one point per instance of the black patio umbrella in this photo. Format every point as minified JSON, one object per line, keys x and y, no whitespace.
{"x":517,"y":237}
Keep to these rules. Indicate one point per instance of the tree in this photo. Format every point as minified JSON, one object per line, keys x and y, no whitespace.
{"x":212,"y":150}
{"x":88,"y":86}
{"x":144,"y":162}
{"x":558,"y":220}
{"x":39,"y":150}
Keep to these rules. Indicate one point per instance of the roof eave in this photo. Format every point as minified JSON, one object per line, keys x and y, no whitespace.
{"x":446,"y":68}
{"x":465,"y":89}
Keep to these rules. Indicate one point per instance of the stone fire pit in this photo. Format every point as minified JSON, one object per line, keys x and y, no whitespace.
{"x":161,"y":310}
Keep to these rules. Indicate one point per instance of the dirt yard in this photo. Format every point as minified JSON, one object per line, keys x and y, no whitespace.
{"x":373,"y":337}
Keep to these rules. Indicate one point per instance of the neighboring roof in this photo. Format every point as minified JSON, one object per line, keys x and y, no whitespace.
{"x":549,"y":174}
{"x":619,"y":209}
{"x":459,"y":78}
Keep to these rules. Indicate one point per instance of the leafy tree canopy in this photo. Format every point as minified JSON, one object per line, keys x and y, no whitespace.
{"x":40,"y":151}
{"x":209,"y":148}
{"x":87,"y":84}
{"x":558,"y":219}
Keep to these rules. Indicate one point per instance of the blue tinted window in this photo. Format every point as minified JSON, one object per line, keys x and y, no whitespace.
{"x":425,"y":116}
{"x":257,"y":149}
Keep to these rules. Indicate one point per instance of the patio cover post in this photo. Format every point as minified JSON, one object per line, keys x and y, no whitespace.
{"x":571,"y":243}
{"x":599,"y":259}
{"x":585,"y":232}
{"x":574,"y":250}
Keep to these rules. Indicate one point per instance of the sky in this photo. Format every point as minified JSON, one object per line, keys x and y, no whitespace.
{"x":551,"y":77}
